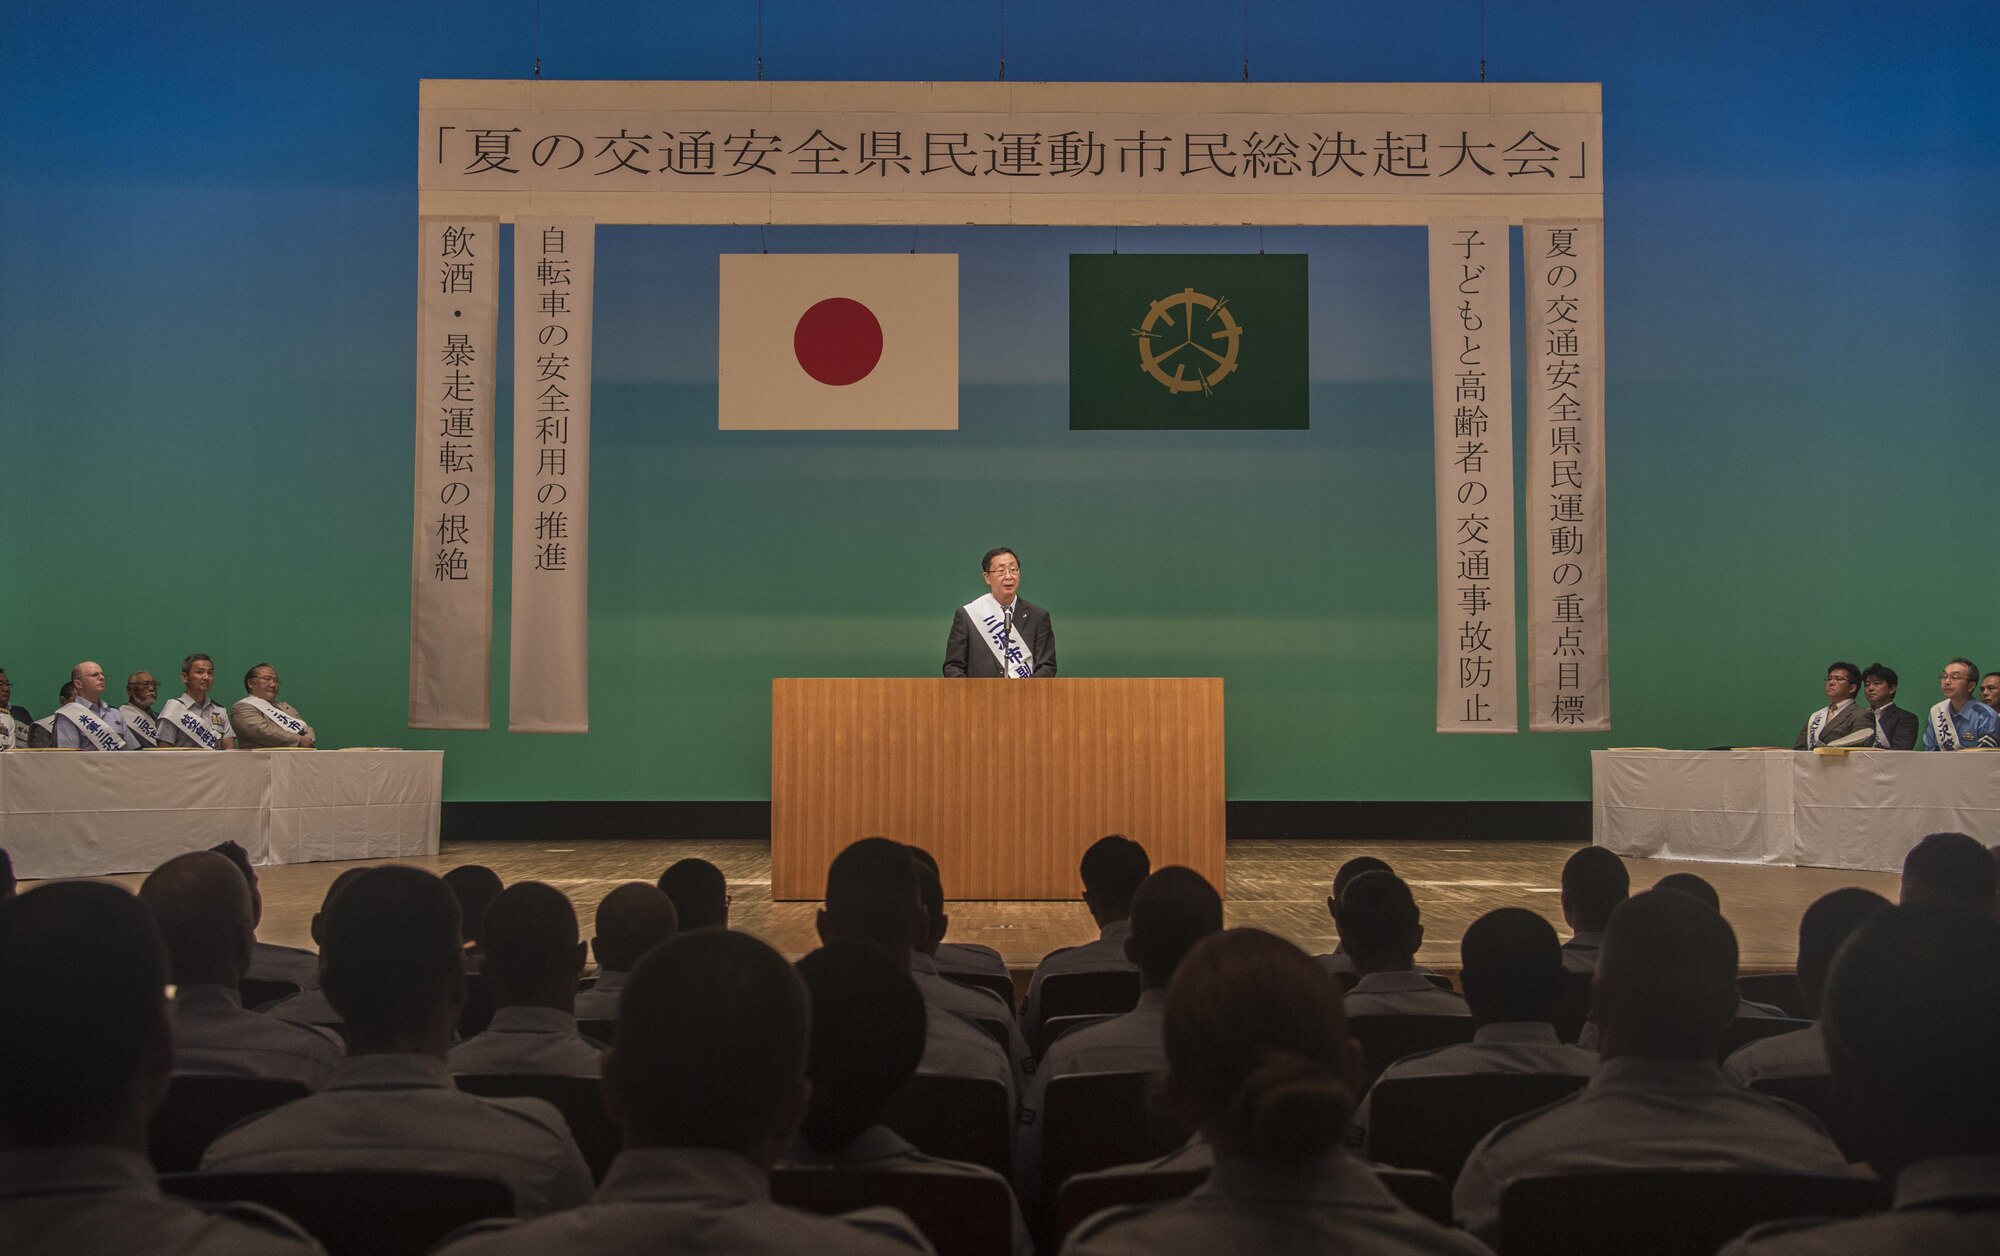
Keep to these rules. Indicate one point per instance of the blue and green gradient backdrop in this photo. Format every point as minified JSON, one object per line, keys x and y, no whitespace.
{"x":207,"y":225}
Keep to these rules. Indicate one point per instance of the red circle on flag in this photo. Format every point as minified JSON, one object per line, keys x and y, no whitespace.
{"x":838,"y":341}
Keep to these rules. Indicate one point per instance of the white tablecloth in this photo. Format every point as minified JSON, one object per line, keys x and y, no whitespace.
{"x":1861,"y":810}
{"x":75,"y":814}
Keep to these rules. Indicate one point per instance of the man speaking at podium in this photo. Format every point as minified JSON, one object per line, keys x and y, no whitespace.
{"x":1000,"y":633}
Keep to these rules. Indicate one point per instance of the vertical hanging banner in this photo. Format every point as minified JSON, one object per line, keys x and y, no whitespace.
{"x":1472,"y":405}
{"x":1569,"y":680}
{"x":549,"y":643}
{"x":451,"y":574}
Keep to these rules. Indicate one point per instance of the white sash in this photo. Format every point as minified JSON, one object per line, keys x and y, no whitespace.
{"x":1813,"y":725}
{"x":186,"y":719}
{"x":145,"y":729}
{"x":292,"y":723}
{"x":1881,"y":731}
{"x":90,"y":726}
{"x":6,"y":730}
{"x":1018,"y":661}
{"x":1942,"y":728}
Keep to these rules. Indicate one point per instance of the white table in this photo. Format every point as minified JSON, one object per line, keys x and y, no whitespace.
{"x":1861,"y":810}
{"x":78,"y":814}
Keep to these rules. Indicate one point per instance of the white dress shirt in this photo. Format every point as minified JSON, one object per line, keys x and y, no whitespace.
{"x":1502,"y":1047}
{"x":106,"y":1201}
{"x":1402,"y":994}
{"x":528,"y":1040}
{"x":1949,"y":1206}
{"x":882,"y":1149}
{"x":215,"y":1037}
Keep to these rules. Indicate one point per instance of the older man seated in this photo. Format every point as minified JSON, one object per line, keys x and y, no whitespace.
{"x":264,"y":723}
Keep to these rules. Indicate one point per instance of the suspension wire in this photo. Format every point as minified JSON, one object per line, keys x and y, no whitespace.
{"x":1246,"y":40}
{"x":1482,"y":41}
{"x":760,"y":43}
{"x":538,"y":38}
{"x":1003,"y":40}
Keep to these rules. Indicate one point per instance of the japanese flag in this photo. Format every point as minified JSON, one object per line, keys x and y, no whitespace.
{"x":839,"y":341}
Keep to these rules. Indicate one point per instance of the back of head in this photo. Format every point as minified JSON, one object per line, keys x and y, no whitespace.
{"x":710,"y":1046}
{"x":1378,"y":919}
{"x":1174,"y":909}
{"x":700,"y":894}
{"x":1344,"y":876}
{"x":1112,"y":870}
{"x":631,"y":920}
{"x":1257,"y":1044}
{"x":83,"y":978}
{"x":1912,"y":1017}
{"x":1825,"y":925}
{"x":201,"y":905}
{"x":1666,"y":981}
{"x":930,"y":892}
{"x":868,"y":1030}
{"x":1513,"y":968}
{"x":7,"y":883}
{"x":1594,"y":882}
{"x":1949,"y":868}
{"x":1691,"y":885}
{"x":390,"y":951}
{"x":531,"y":945}
{"x":872,"y":896}
{"x":235,"y":854}
{"x":475,"y":886}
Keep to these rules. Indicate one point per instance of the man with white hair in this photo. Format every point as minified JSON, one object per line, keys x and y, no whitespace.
{"x":141,"y":691}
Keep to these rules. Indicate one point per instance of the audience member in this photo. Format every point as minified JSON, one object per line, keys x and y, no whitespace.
{"x":951,"y":957}
{"x":264,"y":723}
{"x":7,"y":883}
{"x":202,"y":907}
{"x":1111,"y":870}
{"x":1693,"y":886}
{"x":14,"y":720}
{"x":312,"y":1007}
{"x":1260,"y":1063}
{"x":871,"y":897}
{"x":1594,"y":882}
{"x":533,"y":960}
{"x":1989,"y":689}
{"x":700,"y":894}
{"x":141,"y":691}
{"x":86,"y":1046}
{"x":1513,"y":979}
{"x":85,"y":721}
{"x":193,"y":721}
{"x":1802,"y":1052}
{"x":269,"y":961}
{"x":1382,"y":929}
{"x":393,"y":963}
{"x":1842,"y":721}
{"x":1991,"y":850}
{"x":867,"y":1037}
{"x":42,"y":732}
{"x":631,"y":920}
{"x":707,"y":1080}
{"x":1702,"y":892}
{"x":1666,"y":990}
{"x":1895,"y":728}
{"x":1912,"y":1015}
{"x":1338,"y":960}
{"x":475,"y":886}
{"x":1949,"y":868}
{"x":976,"y":1003}
{"x":1961,"y":721}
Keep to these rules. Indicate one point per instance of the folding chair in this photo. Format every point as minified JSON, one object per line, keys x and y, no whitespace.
{"x":1106,"y":993}
{"x":579,"y":1099}
{"x":597,"y":1030}
{"x":960,"y":1214}
{"x":1054,"y":1027}
{"x":198,"y":1109}
{"x":256,"y":992}
{"x":955,"y":1118}
{"x":998,"y":983}
{"x":1433,"y":1123}
{"x":1387,"y":1039}
{"x":1094,"y":1121}
{"x":1666,"y":1212}
{"x":1778,"y":989}
{"x":359,"y":1212}
{"x":1573,"y":1008}
{"x":1425,"y":1194}
{"x":1090,"y":1193}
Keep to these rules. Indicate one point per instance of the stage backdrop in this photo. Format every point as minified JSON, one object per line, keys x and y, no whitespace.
{"x":205,"y":251}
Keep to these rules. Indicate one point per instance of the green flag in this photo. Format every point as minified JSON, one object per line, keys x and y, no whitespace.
{"x":1187,"y":341}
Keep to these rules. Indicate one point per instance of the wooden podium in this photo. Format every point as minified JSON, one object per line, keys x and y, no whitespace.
{"x":1006,"y":782}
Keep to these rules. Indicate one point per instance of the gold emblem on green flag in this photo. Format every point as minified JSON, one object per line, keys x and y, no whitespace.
{"x":1223,"y":348}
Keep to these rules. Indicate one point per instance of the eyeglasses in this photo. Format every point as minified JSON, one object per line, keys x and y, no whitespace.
{"x":1003,"y":571}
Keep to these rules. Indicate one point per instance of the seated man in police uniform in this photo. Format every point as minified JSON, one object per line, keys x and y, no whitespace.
{"x":1594,"y":882}
{"x":867,"y":1036}
{"x":42,"y":733}
{"x":1842,"y":721}
{"x":631,"y":920}
{"x":141,"y":691}
{"x":533,"y":958}
{"x":264,"y":723}
{"x":202,"y":907}
{"x":268,"y":960}
{"x":1111,"y":870}
{"x":86,"y":1046}
{"x":85,"y":721}
{"x":310,"y":1006}
{"x":14,"y":720}
{"x":1912,"y":1016}
{"x":394,"y":967}
{"x":1948,"y":868}
{"x":707,"y":1080}
{"x":952,"y":957}
{"x":700,"y":894}
{"x":975,"y":1002}
{"x":1802,"y":1052}
{"x":1381,"y":928}
{"x":1337,"y":960}
{"x":1895,"y":728}
{"x":1961,"y":721}
{"x":192,"y":721}
{"x":1666,"y":990}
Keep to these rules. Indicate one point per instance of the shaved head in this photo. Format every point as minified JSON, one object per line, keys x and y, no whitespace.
{"x":631,"y":920}
{"x":201,"y":904}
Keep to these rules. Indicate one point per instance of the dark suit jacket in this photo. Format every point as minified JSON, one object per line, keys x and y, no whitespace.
{"x":1852,"y":720}
{"x":1898,"y":726}
{"x":966,"y":652}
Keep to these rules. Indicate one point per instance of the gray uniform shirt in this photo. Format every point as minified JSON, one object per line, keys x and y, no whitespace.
{"x":105,"y":1201}
{"x":969,"y":1001}
{"x":528,"y":1040}
{"x":402,"y":1112}
{"x":600,"y":1002}
{"x":1402,"y":994}
{"x":271,"y":962}
{"x":1125,"y":1044}
{"x":307,"y":1007}
{"x":955,"y":957}
{"x":1643,"y":1113}
{"x":955,"y":1047}
{"x":1106,"y":954}
{"x":882,"y":1149}
{"x":1800,"y":1053}
{"x":1919,"y":1223}
{"x":1579,"y":954}
{"x":208,"y":711}
{"x":1502,"y":1047}
{"x":215,"y":1037}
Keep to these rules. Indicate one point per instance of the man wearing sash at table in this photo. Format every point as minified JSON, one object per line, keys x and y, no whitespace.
{"x":14,"y":721}
{"x":1895,"y":728}
{"x":87,"y":722}
{"x":1017,"y":639}
{"x":191,"y":721}
{"x":42,"y":733}
{"x":1840,"y":722}
{"x":140,"y":720}
{"x":264,"y":723}
{"x":1961,"y":721}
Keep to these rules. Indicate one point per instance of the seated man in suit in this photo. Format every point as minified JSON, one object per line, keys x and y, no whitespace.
{"x":700,"y":894}
{"x":1594,"y":882}
{"x":1112,"y":870}
{"x":1382,"y":929}
{"x":264,"y":723}
{"x":1841,"y":722}
{"x":631,"y":920}
{"x":42,"y":732}
{"x":707,"y":1078}
{"x":202,"y":908}
{"x":1895,"y":728}
{"x":1000,"y":620}
{"x":533,"y":959}
{"x":1912,"y":1013}
{"x":394,"y":967}
{"x":86,"y":1046}
{"x":1802,"y":1052}
{"x":1666,"y":990}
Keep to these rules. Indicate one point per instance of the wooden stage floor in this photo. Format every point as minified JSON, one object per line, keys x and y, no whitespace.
{"x":1276,"y":885}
